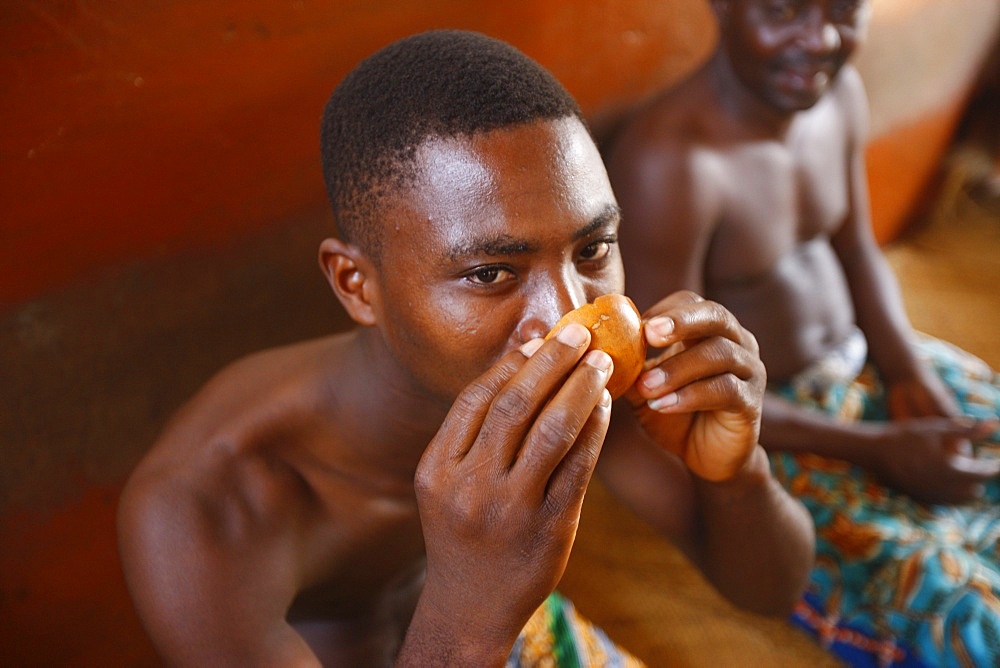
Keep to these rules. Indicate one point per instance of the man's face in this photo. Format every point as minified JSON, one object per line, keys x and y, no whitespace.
{"x":501,"y":234}
{"x":787,"y":52}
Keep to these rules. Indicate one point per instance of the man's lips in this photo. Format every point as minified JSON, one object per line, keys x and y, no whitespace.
{"x":804,"y":76}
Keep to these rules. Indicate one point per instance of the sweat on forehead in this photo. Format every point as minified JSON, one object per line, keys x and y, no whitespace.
{"x":443,"y":83}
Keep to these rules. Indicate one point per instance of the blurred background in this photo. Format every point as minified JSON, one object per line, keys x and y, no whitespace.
{"x":161,"y":205}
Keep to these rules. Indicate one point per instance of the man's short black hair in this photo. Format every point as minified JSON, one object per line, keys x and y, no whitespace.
{"x":442,"y":83}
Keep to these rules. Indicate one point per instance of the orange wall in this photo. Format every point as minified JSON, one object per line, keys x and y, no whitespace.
{"x":134,"y":129}
{"x":919,"y":64}
{"x":139,"y":129}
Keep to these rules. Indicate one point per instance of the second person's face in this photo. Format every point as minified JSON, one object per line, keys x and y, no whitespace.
{"x":787,"y":52}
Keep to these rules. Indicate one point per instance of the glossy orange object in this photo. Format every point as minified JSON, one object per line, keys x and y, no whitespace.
{"x":616,"y":328}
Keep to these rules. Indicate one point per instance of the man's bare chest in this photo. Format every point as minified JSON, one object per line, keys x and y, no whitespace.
{"x":775,"y":199}
{"x":364,"y":571}
{"x":359,"y":548}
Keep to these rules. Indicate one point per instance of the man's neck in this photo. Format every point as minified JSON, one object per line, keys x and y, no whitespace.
{"x":394,"y":418}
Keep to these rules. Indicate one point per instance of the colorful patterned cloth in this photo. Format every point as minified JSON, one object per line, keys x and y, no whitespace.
{"x":557,"y":636}
{"x":897,"y":582}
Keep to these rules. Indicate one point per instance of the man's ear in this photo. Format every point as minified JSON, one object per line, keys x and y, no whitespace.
{"x":353,"y":279}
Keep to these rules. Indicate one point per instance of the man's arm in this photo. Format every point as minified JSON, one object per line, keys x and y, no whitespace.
{"x":752,"y":540}
{"x":926,"y":450}
{"x":210,"y":581}
{"x":875,"y":291}
{"x":915,"y":391}
{"x":500,"y":489}
{"x":688,"y":460}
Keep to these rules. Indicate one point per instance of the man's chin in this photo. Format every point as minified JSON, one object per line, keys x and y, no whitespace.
{"x":792,"y":103}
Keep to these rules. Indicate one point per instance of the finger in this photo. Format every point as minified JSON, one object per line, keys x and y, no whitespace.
{"x":671,"y":301}
{"x":723,"y":392}
{"x":987,"y":430}
{"x":461,"y":425}
{"x":695,"y":320}
{"x":514,"y":409}
{"x":979,"y":429}
{"x":959,"y":427}
{"x":974,"y":469}
{"x":571,"y":478}
{"x":658,"y":326}
{"x":712,"y":357}
{"x":963,"y":479}
{"x":561,"y":423}
{"x":955,"y":493}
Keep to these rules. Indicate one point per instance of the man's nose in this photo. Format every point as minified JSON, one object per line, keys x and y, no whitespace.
{"x":819,"y":35}
{"x":546,"y":305}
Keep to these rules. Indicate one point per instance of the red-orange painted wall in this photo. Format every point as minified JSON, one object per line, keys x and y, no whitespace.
{"x":139,"y":129}
{"x":133,"y":129}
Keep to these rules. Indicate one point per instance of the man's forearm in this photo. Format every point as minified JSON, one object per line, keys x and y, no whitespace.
{"x":757,"y":542}
{"x":445,"y":635}
{"x":789,"y":427}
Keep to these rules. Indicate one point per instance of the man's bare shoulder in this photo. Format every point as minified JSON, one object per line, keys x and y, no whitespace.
{"x":669,"y":172}
{"x":848,"y":86}
{"x":210,"y":530}
{"x":233,"y":441}
{"x":225,"y":485}
{"x":675,"y":122}
{"x":238,"y":405}
{"x":678,"y":140}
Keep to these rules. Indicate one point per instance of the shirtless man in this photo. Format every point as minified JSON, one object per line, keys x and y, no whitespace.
{"x":746,"y":183}
{"x":410,"y":491}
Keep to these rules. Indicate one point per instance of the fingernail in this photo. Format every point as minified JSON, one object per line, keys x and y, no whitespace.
{"x":654,"y":378}
{"x":599,"y":360}
{"x":661,"y":327}
{"x":665,"y":401}
{"x":605,"y":400}
{"x":528,"y":349}
{"x":573,"y":335}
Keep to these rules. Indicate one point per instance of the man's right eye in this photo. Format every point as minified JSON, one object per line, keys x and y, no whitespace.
{"x":489,"y":275}
{"x":780,"y":11}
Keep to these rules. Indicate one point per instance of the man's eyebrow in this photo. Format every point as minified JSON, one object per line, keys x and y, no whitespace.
{"x":611,"y":214}
{"x":506,"y":245}
{"x":499,"y":245}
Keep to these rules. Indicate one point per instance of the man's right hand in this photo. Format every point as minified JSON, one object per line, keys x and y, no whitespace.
{"x":918,"y":456}
{"x":500,"y":489}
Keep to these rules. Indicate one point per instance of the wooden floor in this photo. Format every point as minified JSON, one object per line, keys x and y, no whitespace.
{"x":642,"y":591}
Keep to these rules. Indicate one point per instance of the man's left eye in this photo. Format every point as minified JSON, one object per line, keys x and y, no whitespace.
{"x":845,"y":8}
{"x":596,"y":251}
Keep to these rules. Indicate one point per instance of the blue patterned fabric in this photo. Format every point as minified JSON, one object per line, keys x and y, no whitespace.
{"x":897,"y":582}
